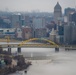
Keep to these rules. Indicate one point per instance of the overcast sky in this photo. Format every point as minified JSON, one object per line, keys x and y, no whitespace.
{"x":34,"y":5}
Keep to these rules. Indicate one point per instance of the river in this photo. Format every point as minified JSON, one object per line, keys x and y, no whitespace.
{"x":45,"y":61}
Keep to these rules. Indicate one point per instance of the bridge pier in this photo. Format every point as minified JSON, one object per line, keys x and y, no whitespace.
{"x":56,"y":49}
{"x":1,"y":49}
{"x":9,"y":49}
{"x":19,"y":49}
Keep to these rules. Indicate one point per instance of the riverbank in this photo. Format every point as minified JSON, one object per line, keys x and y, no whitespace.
{"x":10,"y":63}
{"x":9,"y":69}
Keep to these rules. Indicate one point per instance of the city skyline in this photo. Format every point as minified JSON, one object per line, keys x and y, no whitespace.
{"x":34,"y":5}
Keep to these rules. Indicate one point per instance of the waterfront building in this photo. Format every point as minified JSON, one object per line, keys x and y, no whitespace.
{"x":60,"y":36}
{"x":7,"y":32}
{"x":53,"y":35}
{"x":26,"y":32}
{"x":57,"y":13}
{"x":69,"y":34}
{"x":74,"y":35}
{"x":18,"y":33}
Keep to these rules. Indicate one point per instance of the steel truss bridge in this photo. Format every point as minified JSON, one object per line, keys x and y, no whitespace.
{"x":45,"y":44}
{"x":48,"y":43}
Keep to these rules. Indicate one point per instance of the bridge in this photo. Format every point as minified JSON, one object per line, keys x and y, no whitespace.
{"x":42,"y":43}
{"x":37,"y":42}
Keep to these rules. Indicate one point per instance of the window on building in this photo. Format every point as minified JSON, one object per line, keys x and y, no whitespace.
{"x":1,"y":30}
{"x":7,"y":30}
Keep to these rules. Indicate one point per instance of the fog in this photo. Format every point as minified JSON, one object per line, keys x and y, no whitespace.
{"x":34,"y":5}
{"x":59,"y":63}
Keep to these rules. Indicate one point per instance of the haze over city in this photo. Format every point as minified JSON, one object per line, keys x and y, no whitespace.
{"x":34,"y":5}
{"x":40,"y":33}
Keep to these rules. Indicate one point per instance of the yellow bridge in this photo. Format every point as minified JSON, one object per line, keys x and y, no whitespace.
{"x":36,"y":42}
{"x":44,"y":43}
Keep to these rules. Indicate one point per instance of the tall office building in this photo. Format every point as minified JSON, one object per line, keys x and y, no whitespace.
{"x":68,"y":12}
{"x":39,"y":29}
{"x":69,"y":34}
{"x":39,"y":23}
{"x":61,"y":34}
{"x":57,"y":13}
{"x":27,"y":21}
{"x":73,"y":17}
{"x":16,"y":20}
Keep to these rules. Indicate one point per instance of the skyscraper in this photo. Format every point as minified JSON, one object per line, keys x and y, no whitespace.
{"x":73,"y":17}
{"x":69,"y":34}
{"x":68,"y":12}
{"x":57,"y":13}
{"x":16,"y":20}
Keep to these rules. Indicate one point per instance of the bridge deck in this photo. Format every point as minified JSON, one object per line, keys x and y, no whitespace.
{"x":29,"y":45}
